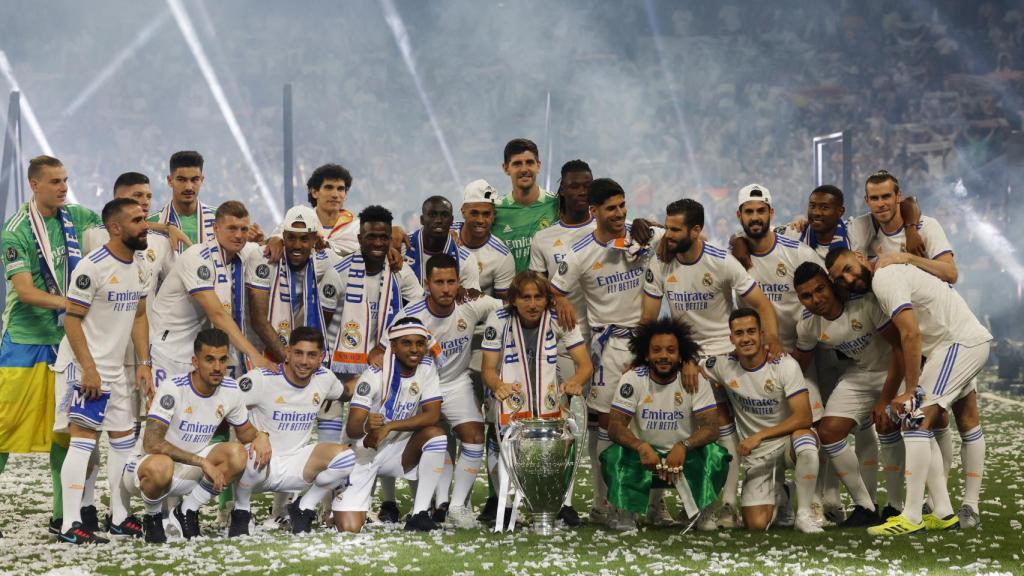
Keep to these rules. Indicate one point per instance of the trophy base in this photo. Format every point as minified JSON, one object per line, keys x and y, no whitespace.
{"x":544,"y":523}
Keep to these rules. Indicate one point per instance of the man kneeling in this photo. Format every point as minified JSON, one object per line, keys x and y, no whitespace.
{"x":179,"y":459}
{"x":285,"y":402}
{"x":392,"y":422}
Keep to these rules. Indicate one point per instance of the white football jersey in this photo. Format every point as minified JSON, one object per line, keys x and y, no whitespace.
{"x":701,"y":294}
{"x":284,"y":410}
{"x":453,"y":333}
{"x":192,"y":418}
{"x":494,"y":262}
{"x":942,"y":315}
{"x":774,"y":273}
{"x":158,"y":254}
{"x":610,"y":279}
{"x":373,"y":395}
{"x":935,"y":241}
{"x":662,"y":414}
{"x":111,"y":289}
{"x":854,"y":333}
{"x":175,"y":318}
{"x":550,"y":247}
{"x":342,"y":239}
{"x":759,"y":397}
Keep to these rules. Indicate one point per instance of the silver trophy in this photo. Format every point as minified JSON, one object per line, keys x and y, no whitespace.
{"x":542,"y":456}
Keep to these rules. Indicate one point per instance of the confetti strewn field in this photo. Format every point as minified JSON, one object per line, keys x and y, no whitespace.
{"x":997,"y":548}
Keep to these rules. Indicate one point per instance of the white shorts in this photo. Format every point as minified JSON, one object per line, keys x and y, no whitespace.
{"x":284,"y":474}
{"x":855,"y":395}
{"x":814,"y":393}
{"x":615,"y":360}
{"x":369,"y":464}
{"x":763,"y":472}
{"x":948,"y":374}
{"x":164,"y":366}
{"x":184,"y":479}
{"x":117,"y":416}
{"x":460,"y":403}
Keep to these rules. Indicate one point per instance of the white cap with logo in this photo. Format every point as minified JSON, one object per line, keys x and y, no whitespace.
{"x":479,"y":191}
{"x":301,"y":219}
{"x":754,"y":192}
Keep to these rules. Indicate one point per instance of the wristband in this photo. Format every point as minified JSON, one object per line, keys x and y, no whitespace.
{"x":148,"y":363}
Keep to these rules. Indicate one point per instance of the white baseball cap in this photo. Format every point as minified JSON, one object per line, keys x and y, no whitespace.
{"x":754,"y":192}
{"x":479,"y":191}
{"x":301,"y":219}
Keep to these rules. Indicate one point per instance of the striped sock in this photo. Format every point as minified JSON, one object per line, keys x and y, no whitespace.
{"x":199,"y":495}
{"x":844,"y":460}
{"x":329,"y":430}
{"x":867,"y":454}
{"x":429,"y":470}
{"x":72,"y":475}
{"x":465,"y":472}
{"x":806,"y":473}
{"x":972,"y":452}
{"x":153,"y":506}
{"x":120,"y":451}
{"x":727,"y":439}
{"x":892,"y":455}
{"x":444,"y":484}
{"x":918,"y":445}
{"x":328,"y":479}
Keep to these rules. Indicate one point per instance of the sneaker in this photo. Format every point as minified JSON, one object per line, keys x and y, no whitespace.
{"x":420,"y":522}
{"x":78,"y":535}
{"x":570,"y":517}
{"x":860,"y":516}
{"x":389,"y":512}
{"x":90,"y":520}
{"x":277,"y":523}
{"x":301,"y":520}
{"x":54,"y":526}
{"x":189,"y":522}
{"x":805,"y":523}
{"x":600,"y":514}
{"x":835,"y":514}
{"x":889,"y":512}
{"x":130,"y":527}
{"x":708,"y":519}
{"x":461,"y":517}
{"x":239,"y":525}
{"x":153,"y":526}
{"x":658,"y":515}
{"x":969,"y":519}
{"x":440,"y":513}
{"x":895,"y":526}
{"x":490,"y":511}
{"x":728,"y":517}
{"x":934,"y":523}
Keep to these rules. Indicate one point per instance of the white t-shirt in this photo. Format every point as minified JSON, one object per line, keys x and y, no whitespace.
{"x":453,"y":333}
{"x":759,"y":397}
{"x":774,"y":273}
{"x":284,"y":410}
{"x":854,"y":333}
{"x":701,"y":294}
{"x":175,"y":318}
{"x":942,"y":315}
{"x":548,"y":250}
{"x":935,"y":241}
{"x":662,"y":414}
{"x":413,"y":393}
{"x":111,"y":289}
{"x":610,"y":280}
{"x":191,"y":418}
{"x":494,"y":262}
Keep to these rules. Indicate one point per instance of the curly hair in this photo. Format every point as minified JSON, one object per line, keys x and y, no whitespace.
{"x":640,"y":342}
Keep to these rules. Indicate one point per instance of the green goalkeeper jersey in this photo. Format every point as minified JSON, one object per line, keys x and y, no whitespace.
{"x":516,"y":225}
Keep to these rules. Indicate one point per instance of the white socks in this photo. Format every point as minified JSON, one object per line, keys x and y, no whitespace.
{"x":328,"y":479}
{"x":72,"y":477}
{"x":806,"y":473}
{"x":892,"y":455}
{"x":120,"y":451}
{"x":444,"y":484}
{"x":465,"y":472}
{"x":937,"y":487}
{"x":867,"y":454}
{"x":91,"y":473}
{"x":727,"y":439}
{"x":918,"y":445}
{"x":249,"y":479}
{"x":431,"y":465}
{"x":844,"y":460}
{"x":199,"y":495}
{"x":972,"y":452}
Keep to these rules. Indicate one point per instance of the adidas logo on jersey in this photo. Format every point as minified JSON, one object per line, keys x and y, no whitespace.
{"x":280,"y":400}
{"x":558,"y":242}
{"x":188,"y":410}
{"x":114,"y":280}
{"x":672,"y":278}
{"x":506,"y":229}
{"x":824,"y":337}
{"x":649,"y":399}
{"x":597,"y":266}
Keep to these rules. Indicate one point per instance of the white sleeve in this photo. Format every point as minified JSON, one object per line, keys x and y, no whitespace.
{"x":469,"y":270}
{"x":249,"y":388}
{"x":367,"y":394}
{"x":806,"y":335}
{"x":571,"y":338}
{"x":164,"y":401}
{"x":568,"y":274}
{"x":737,"y":276}
{"x":85,"y":281}
{"x":704,"y":397}
{"x":196,"y":273}
{"x":792,"y":377}
{"x":654,"y":279}
{"x":860,"y":231}
{"x":431,"y":390}
{"x":492,"y":333}
{"x":537,"y":262}
{"x":257,"y":269}
{"x":237,"y":415}
{"x":892,"y":292}
{"x":505,"y":273}
{"x":935,"y":240}
{"x":409,"y":286}
{"x":627,"y":397}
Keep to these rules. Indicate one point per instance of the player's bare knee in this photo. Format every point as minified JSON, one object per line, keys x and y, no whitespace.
{"x":832,"y":430}
{"x":157,"y":471}
{"x":431,"y":432}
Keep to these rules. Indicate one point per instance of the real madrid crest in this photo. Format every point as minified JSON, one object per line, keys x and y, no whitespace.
{"x":414,"y":388}
{"x":549,"y":401}
{"x":707,"y":280}
{"x":769,"y":386}
{"x":142,"y":276}
{"x":856,"y":325}
{"x":352,"y":337}
{"x":781,"y":270}
{"x":151,"y":255}
{"x":220,"y":411}
{"x":515,"y":402}
{"x":316,"y":398}
{"x":461,"y":324}
{"x":679,"y":398}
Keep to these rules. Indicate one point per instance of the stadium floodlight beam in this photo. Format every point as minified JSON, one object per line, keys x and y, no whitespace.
{"x":547,"y":142}
{"x":141,"y":39}
{"x":30,"y":116}
{"x":196,"y":47}
{"x":401,"y":34}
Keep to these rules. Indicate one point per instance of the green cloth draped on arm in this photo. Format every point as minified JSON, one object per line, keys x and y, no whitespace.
{"x":630,"y":484}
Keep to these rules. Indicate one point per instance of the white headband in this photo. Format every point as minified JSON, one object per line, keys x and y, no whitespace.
{"x":399,"y":330}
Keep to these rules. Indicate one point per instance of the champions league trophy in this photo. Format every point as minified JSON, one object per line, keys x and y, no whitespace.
{"x":542,"y":456}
